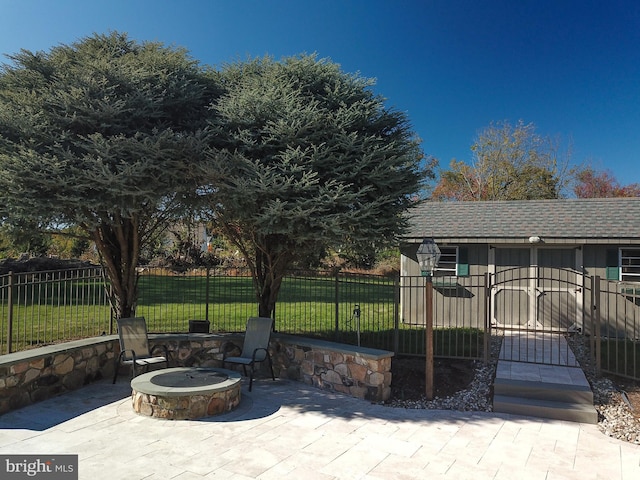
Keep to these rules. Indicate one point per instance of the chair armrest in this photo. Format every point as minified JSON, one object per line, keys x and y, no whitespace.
{"x":253,"y":357}
{"x":122,"y":352}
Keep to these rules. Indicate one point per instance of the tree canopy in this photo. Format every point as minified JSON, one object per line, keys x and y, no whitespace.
{"x":120,"y":138}
{"x":592,"y":184}
{"x":510,"y":162}
{"x":102,"y":134}
{"x":307,"y":158}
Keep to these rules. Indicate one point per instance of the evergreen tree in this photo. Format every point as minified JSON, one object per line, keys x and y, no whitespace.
{"x":309,"y":158}
{"x":102,"y":134}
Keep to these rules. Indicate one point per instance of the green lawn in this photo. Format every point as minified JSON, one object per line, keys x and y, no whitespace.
{"x":321,"y":307}
{"x":304,"y":304}
{"x":51,"y":311}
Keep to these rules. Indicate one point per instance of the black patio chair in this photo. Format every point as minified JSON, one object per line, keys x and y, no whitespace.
{"x":134,"y":347}
{"x":255,"y":348}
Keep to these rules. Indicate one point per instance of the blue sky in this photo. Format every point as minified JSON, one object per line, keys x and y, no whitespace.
{"x":571,"y":67}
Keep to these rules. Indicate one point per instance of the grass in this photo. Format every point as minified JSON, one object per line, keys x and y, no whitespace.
{"x":321,"y":307}
{"x":304,"y":304}
{"x":53,"y":310}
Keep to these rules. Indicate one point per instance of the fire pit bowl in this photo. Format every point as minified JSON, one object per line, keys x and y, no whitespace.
{"x":185,"y":393}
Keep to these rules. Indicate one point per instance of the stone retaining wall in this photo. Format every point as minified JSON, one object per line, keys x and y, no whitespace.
{"x":356,"y":371}
{"x":33,"y":375}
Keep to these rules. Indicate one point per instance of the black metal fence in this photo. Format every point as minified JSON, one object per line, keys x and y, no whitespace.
{"x":459,"y":316}
{"x":40,"y":308}
{"x":615,"y":321}
{"x":351,"y":308}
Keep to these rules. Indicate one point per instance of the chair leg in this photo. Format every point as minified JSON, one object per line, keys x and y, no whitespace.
{"x":116,"y":367}
{"x":271,"y":367}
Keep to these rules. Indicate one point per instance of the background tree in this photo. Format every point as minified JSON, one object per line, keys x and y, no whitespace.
{"x":593,"y":184}
{"x":71,"y":243}
{"x":509,"y":163}
{"x":23,"y":238}
{"x":310,"y":159}
{"x":102,"y":134}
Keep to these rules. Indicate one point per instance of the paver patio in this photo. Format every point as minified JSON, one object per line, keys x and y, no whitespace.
{"x":290,"y":430}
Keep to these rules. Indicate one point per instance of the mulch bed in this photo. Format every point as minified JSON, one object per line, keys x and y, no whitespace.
{"x":409,"y":378}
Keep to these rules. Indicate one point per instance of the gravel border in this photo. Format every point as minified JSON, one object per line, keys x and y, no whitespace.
{"x":615,"y":418}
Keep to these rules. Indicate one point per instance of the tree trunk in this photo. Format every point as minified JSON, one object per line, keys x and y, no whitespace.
{"x":268,"y":295}
{"x":268,"y":279}
{"x":119,"y":246}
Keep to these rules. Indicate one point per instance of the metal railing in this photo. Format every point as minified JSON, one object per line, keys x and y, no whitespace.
{"x":39,"y":308}
{"x":459,"y":318}
{"x":349,"y":308}
{"x":339,"y":306}
{"x":616,"y":327}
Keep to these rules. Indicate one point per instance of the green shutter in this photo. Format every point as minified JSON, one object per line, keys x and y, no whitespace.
{"x":613,"y":270}
{"x":462,"y":269}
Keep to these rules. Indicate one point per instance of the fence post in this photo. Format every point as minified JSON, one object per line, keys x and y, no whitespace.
{"x":487,"y":321}
{"x":596,"y":318}
{"x":396,"y":314}
{"x":591,"y":331}
{"x":10,"y":312}
{"x":206,"y":295}
{"x":337,"y":305}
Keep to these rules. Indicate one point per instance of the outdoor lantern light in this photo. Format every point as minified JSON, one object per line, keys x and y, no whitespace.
{"x":428,"y":255}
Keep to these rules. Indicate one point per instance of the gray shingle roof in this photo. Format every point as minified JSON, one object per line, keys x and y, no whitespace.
{"x":606,"y":219}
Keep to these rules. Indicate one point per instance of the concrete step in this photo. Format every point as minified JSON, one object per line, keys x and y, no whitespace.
{"x":573,"y":412}
{"x":557,"y":392}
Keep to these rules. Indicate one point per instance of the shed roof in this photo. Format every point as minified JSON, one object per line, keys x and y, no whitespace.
{"x":597,"y":220}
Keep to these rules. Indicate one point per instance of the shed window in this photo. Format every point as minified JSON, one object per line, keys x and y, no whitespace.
{"x":630,"y":264}
{"x":453,"y":261}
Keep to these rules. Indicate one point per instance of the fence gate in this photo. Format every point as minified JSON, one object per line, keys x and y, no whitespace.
{"x":536,"y":297}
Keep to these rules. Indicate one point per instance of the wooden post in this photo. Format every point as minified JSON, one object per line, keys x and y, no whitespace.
{"x":428,"y":306}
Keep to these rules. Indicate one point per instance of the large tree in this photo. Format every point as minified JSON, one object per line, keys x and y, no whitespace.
{"x":592,"y":184}
{"x":310,"y":158}
{"x":102,"y":134}
{"x":510,"y":162}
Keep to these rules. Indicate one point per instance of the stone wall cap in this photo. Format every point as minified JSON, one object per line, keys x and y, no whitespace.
{"x":365,"y":352}
{"x":26,"y":355}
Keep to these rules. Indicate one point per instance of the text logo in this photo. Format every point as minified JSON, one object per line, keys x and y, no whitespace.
{"x":50,"y":467}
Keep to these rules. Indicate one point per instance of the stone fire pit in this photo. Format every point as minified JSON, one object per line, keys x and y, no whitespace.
{"x":185,"y":393}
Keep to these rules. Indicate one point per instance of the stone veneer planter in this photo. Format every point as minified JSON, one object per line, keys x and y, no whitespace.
{"x":356,"y":371}
{"x":33,"y":375}
{"x":185,"y":393}
{"x":30,"y":376}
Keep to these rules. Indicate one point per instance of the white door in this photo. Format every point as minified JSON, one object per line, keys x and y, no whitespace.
{"x":535,"y":287}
